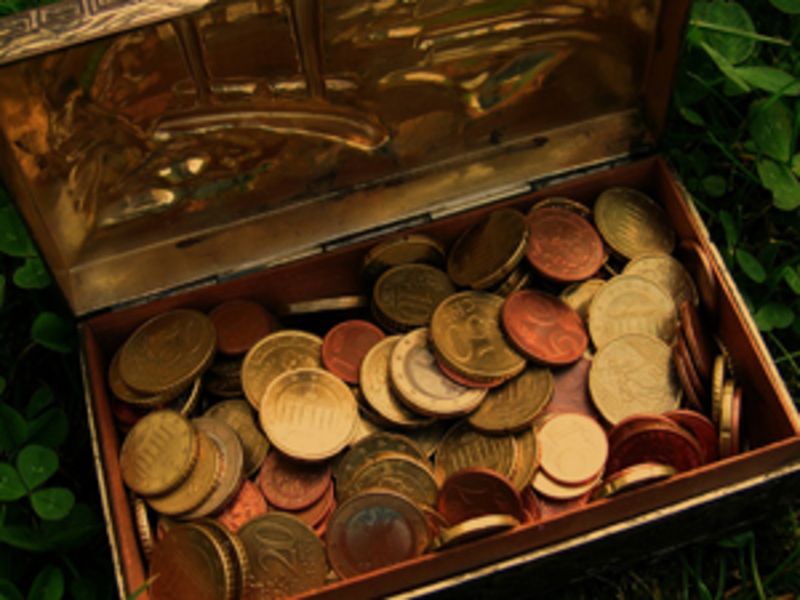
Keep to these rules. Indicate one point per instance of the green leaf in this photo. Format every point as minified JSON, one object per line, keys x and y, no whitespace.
{"x":50,"y":429}
{"x":14,"y":238}
{"x":791,"y":7}
{"x":11,"y":486}
{"x":53,"y":332}
{"x":740,"y":540}
{"x":730,"y":228}
{"x":8,"y":591}
{"x":36,"y":464}
{"x":48,"y":585}
{"x":13,"y":429}
{"x":32,"y":275}
{"x":76,"y":530}
{"x":715,"y":186}
{"x":736,"y":46}
{"x":738,"y":85}
{"x":783,"y":184}
{"x":774,"y":315}
{"x":771,"y":124}
{"x":792,"y":278}
{"x":52,"y":503}
{"x":770,"y":79}
{"x":691,"y":116}
{"x":751,"y":266}
{"x":41,"y":399}
{"x":796,"y":164}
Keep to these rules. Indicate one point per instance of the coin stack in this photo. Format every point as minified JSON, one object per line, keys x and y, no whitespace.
{"x":506,"y":381}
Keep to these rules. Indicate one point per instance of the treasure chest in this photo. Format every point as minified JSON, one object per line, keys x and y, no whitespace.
{"x":176,"y":155}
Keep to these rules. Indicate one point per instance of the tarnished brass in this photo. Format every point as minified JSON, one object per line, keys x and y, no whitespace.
{"x":397,"y":472}
{"x":516,"y":404}
{"x":632,"y":223}
{"x":404,"y":297}
{"x":413,"y":248}
{"x":465,"y":447}
{"x":475,"y":528}
{"x":633,"y":478}
{"x":238,"y":415}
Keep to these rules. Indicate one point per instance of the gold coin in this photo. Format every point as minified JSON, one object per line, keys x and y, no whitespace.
{"x":518,"y":279}
{"x":578,"y":296}
{"x":668,"y":273}
{"x":514,"y":405}
{"x":321,"y":305}
{"x":308,"y":414}
{"x":273,"y":356}
{"x":550,"y":488}
{"x":369,"y":447}
{"x":475,"y":528}
{"x":428,"y":438}
{"x":405,"y":297}
{"x":489,"y":250}
{"x":633,"y":478}
{"x":633,"y":374}
{"x":190,"y":562}
{"x":158,"y":453}
{"x":168,"y":351}
{"x":465,"y":330}
{"x":631,"y":304}
{"x":124,"y":392}
{"x":143,"y":527}
{"x":422,"y":385}
{"x":408,"y":249}
{"x":397,"y":472}
{"x":238,"y":415}
{"x":574,"y":448}
{"x":286,"y":557}
{"x":726,"y":419}
{"x":632,"y":223}
{"x":717,"y":385}
{"x":526,"y":459}
{"x":231,"y":468}
{"x":187,"y":401}
{"x":236,"y":552}
{"x":564,"y":203}
{"x":364,"y":427}
{"x":197,"y":487}
{"x":464,"y":447}
{"x":377,"y":391}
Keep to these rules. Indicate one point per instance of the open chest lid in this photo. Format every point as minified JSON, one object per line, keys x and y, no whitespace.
{"x":153,"y":144}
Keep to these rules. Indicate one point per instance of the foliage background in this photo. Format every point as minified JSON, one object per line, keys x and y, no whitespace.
{"x":732,"y":136}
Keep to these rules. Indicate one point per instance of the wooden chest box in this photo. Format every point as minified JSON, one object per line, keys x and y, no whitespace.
{"x":178,"y":154}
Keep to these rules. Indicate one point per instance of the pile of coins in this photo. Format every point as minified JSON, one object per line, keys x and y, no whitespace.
{"x":546,"y":361}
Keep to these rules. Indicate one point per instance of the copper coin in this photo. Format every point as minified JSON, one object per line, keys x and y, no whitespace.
{"x":631,"y":425}
{"x":693,"y":399}
{"x":321,"y":527}
{"x":657,"y":443}
{"x":373,"y":530}
{"x":292,"y":485}
{"x":248,"y":504}
{"x":571,"y":391}
{"x":451,"y":373}
{"x":346,"y":345}
{"x":696,"y":261}
{"x":552,"y":508}
{"x":562,"y":203}
{"x":544,"y":327}
{"x":701,"y":428}
{"x":474,"y":492}
{"x":696,"y":339}
{"x":563,"y":246}
{"x":552,"y":489}
{"x":240,"y":324}
{"x":314,"y":515}
{"x":697,"y":384}
{"x":574,"y":448}
{"x":531,"y":504}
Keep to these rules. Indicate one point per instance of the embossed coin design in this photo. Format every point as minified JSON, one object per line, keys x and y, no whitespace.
{"x":308,"y":414}
{"x":240,"y":324}
{"x":413,"y":248}
{"x":397,"y":472}
{"x":563,"y":246}
{"x":158,"y":453}
{"x":168,"y":351}
{"x":191,"y":563}
{"x":632,"y":223}
{"x":203,"y":479}
{"x":465,"y":330}
{"x":239,"y":416}
{"x":474,"y":492}
{"x":346,"y":345}
{"x":489,"y":250}
{"x":377,"y":390}
{"x":574,"y":448}
{"x":124,"y":392}
{"x":544,"y":328}
{"x":516,"y":404}
{"x":405,"y":297}
{"x":374,"y":530}
{"x":633,"y":374}
{"x":275,"y":355}
{"x":631,"y":304}
{"x":286,"y":557}
{"x":464,"y":447}
{"x":291,"y":485}
{"x":367,"y":449}
{"x":420,"y":383}
{"x":248,"y":504}
{"x":668,"y":273}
